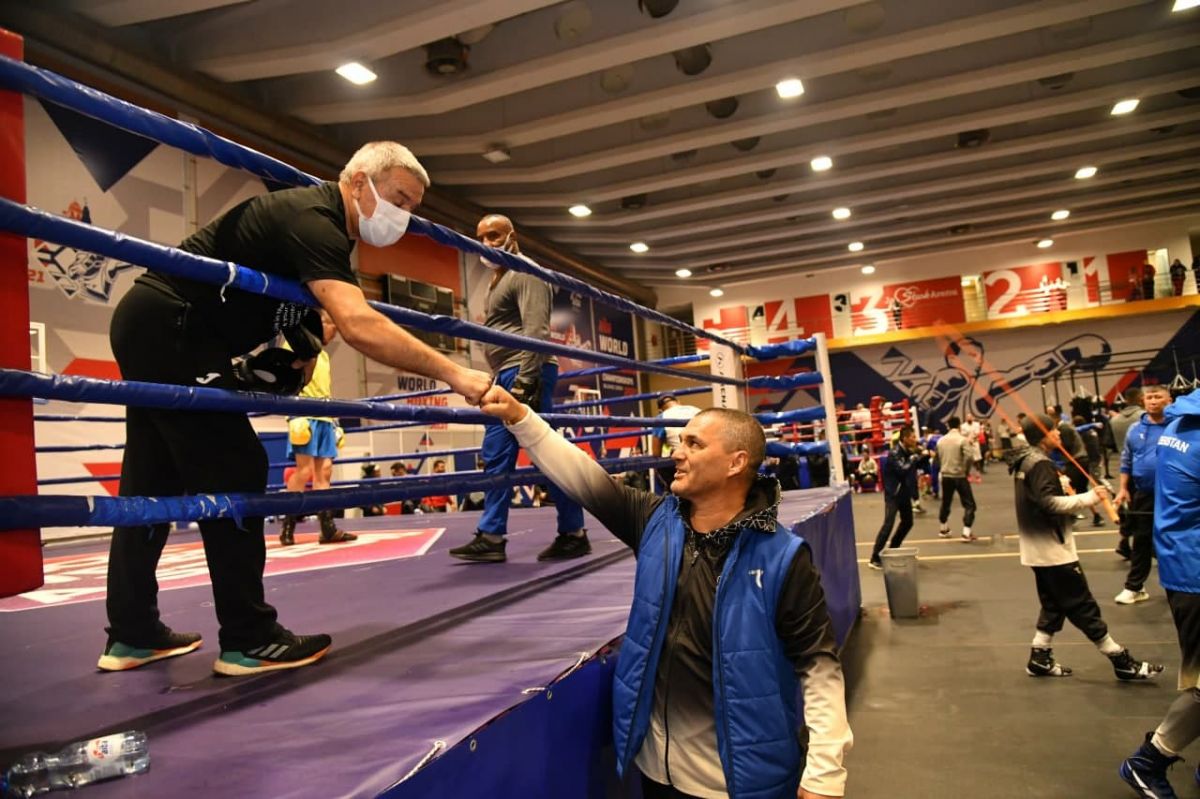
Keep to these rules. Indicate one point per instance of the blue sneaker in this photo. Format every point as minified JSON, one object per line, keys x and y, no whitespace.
{"x":1146,"y":771}
{"x":119,"y":656}
{"x":285,"y":651}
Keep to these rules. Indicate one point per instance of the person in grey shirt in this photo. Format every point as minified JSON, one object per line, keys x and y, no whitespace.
{"x":954,"y":454}
{"x":1120,"y":424}
{"x":517,"y":303}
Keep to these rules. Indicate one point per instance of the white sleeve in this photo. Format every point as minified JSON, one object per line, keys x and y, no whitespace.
{"x":1071,"y":504}
{"x":580,"y":477}
{"x":829,"y":735}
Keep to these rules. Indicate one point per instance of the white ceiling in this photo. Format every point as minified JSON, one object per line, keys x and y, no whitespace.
{"x":588,"y":100}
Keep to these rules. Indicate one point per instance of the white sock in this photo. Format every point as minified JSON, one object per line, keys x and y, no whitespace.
{"x":1042,"y":640}
{"x":1109,"y":647}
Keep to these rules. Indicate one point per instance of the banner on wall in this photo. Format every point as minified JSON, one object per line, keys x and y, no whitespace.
{"x":1022,"y":290}
{"x":732,"y":320}
{"x":571,"y":324}
{"x":776,"y":321}
{"x":901,"y":306}
{"x":614,"y":335}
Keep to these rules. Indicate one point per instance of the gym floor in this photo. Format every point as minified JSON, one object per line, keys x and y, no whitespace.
{"x":941,"y":706}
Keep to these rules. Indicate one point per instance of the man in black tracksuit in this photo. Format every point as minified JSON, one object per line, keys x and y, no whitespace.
{"x":172,"y":330}
{"x":1044,"y":519}
{"x":899,"y":491}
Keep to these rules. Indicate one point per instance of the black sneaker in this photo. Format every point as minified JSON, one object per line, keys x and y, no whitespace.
{"x":1042,"y":664}
{"x":567,"y":546}
{"x":1146,"y":771}
{"x":480,"y":550}
{"x":285,"y":651}
{"x":1127,"y":668}
{"x":120,"y":656}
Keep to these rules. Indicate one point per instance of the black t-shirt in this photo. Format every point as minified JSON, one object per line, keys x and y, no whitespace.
{"x":295,"y":233}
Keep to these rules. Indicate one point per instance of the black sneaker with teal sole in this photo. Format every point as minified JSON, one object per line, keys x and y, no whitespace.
{"x":1146,"y":771}
{"x":119,"y":656}
{"x":567,"y":546}
{"x":481,"y":550}
{"x":285,"y":651}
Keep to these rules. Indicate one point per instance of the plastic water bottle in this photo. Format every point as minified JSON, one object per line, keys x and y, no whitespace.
{"x":79,"y":764}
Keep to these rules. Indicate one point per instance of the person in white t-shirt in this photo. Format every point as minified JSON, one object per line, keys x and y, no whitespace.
{"x":664,"y":440}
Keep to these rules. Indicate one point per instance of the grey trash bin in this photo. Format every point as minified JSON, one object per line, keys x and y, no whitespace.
{"x":900,"y":580}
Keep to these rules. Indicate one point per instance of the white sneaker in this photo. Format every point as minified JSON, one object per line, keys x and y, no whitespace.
{"x":1127,"y":597}
{"x":944,"y":531}
{"x":967,"y":535}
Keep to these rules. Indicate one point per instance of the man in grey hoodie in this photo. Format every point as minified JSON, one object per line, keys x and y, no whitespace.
{"x":1044,"y":519}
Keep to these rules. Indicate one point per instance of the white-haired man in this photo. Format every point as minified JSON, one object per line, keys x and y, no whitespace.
{"x":169,"y":329}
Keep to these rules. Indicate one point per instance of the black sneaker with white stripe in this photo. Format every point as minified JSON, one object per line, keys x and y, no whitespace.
{"x":285,"y":651}
{"x":1127,"y":667}
{"x":121,"y":656}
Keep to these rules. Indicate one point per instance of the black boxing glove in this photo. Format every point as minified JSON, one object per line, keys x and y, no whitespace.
{"x":306,"y":336}
{"x":270,"y":372}
{"x":528,"y":391}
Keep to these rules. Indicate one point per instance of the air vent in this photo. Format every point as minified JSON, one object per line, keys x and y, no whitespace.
{"x":657,"y":8}
{"x":693,"y":60}
{"x":633,"y":202}
{"x":446,"y":57}
{"x":765,"y":174}
{"x":723,"y":108}
{"x":1056,"y":81}
{"x":745,"y":145}
{"x":969,"y":139}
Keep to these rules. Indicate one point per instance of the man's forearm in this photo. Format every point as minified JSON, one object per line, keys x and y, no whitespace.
{"x":377,"y":337}
{"x":829,"y":736}
{"x":580,"y":477}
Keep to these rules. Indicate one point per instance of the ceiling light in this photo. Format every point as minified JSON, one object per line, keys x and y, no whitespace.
{"x":1059,"y":216}
{"x":356,"y":73}
{"x":716,"y":292}
{"x":1085,"y":172}
{"x":869,"y":269}
{"x":841,"y":213}
{"x":789,"y":88}
{"x":639,"y":246}
{"x":683,"y":273}
{"x":1045,"y":244}
{"x":1124,"y":107}
{"x":579,"y":211}
{"x":497,"y":154}
{"x":855,"y":246}
{"x":821,"y":163}
{"x":1184,"y":5}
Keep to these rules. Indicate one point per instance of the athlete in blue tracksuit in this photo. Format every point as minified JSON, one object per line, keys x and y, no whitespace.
{"x":1138,"y":467}
{"x":1177,"y":545}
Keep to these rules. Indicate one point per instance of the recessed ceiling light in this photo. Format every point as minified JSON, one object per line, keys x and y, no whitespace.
{"x":1045,"y":244}
{"x":1184,"y":5}
{"x":1085,"y":172}
{"x":356,"y":73}
{"x":821,"y":163}
{"x":683,"y":273}
{"x":639,"y":246}
{"x":1060,"y":215}
{"x":787,"y":89}
{"x":1124,"y":107}
{"x":869,"y":269}
{"x":841,"y":213}
{"x":497,"y":154}
{"x":579,"y":211}
{"x":716,"y":292}
{"x":855,"y":246}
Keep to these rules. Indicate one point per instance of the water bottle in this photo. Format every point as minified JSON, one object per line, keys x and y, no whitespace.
{"x":81,"y":763}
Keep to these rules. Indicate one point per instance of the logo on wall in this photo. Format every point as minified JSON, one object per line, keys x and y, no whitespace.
{"x":76,"y":273}
{"x":965,"y":386}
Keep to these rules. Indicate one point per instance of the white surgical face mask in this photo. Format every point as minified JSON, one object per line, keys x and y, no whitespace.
{"x":385,"y":227}
{"x":504,"y":246}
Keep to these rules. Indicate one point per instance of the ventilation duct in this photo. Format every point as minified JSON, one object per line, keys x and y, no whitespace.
{"x":446,"y":57}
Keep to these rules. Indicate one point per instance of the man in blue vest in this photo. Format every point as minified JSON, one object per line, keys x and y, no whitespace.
{"x":704,"y":698}
{"x":1177,"y":544}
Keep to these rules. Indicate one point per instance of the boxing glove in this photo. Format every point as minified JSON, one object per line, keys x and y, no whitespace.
{"x":528,"y":391}
{"x":270,"y":372}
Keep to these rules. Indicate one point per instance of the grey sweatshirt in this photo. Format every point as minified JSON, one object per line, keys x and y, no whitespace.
{"x":519,"y":304}
{"x":954,"y":453}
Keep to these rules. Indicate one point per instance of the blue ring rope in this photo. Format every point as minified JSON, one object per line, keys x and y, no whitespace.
{"x":35,"y":223}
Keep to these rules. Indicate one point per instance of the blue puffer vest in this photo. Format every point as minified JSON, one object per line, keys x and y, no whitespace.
{"x":754,"y":684}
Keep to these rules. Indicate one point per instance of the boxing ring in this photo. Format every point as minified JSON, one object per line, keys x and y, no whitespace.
{"x":446,"y":678}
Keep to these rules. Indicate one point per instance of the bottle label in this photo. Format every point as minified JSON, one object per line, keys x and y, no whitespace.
{"x":103,"y":751}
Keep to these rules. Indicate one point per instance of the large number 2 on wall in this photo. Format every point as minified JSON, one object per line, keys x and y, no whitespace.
{"x":999,"y":307}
